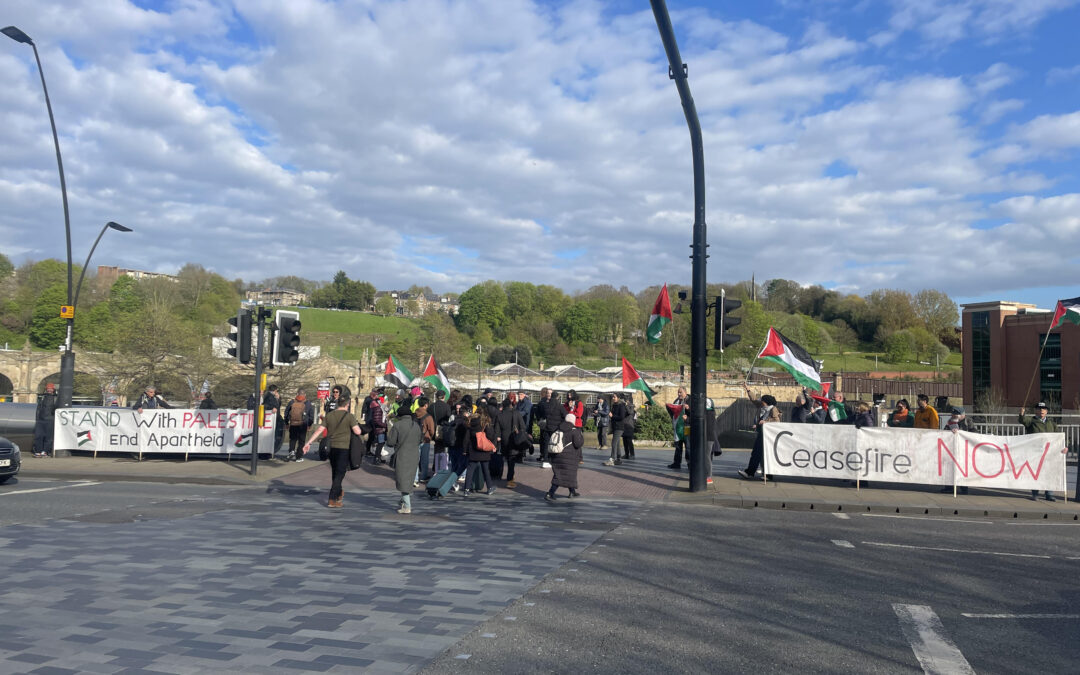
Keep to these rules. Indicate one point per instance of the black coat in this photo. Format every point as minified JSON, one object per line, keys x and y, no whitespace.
{"x":507,"y":424}
{"x":564,"y":465}
{"x":554,"y":414}
{"x":618,"y":416}
{"x":800,"y":414}
{"x":470,"y":441}
{"x":46,"y":407}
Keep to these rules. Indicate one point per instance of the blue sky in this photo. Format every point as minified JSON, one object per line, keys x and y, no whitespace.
{"x":861,"y":145}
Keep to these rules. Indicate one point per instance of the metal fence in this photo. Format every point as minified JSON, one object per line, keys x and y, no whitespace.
{"x":1003,"y":424}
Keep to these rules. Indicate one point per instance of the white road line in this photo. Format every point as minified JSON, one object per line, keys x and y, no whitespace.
{"x":948,"y":520}
{"x":955,"y":550}
{"x":933,"y":648}
{"x":843,"y":544}
{"x":58,"y":487}
{"x":842,"y":516}
{"x":1038,"y":524}
{"x":1021,"y":616}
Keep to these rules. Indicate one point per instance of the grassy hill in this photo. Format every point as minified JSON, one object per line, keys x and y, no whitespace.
{"x":345,"y":334}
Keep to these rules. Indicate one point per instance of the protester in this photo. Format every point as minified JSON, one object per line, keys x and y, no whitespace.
{"x":150,"y":399}
{"x":44,"y":416}
{"x":340,"y":424}
{"x":299,"y":415}
{"x":767,"y":412}
{"x":958,"y":421}
{"x":817,"y":412}
{"x":524,"y":407}
{"x":426,"y":420}
{"x":629,"y":423}
{"x":405,"y":437}
{"x":863,"y":417}
{"x":902,"y":417}
{"x":565,"y":464}
{"x":272,"y":406}
{"x":508,"y":426}
{"x":440,"y":412}
{"x":618,"y":414}
{"x":839,"y":412}
{"x":602,"y":417}
{"x":800,"y":414}
{"x":555,"y":414}
{"x":207,"y":402}
{"x":925,"y":417}
{"x":1039,"y":423}
{"x":478,"y":459}
{"x":539,"y":416}
{"x":375,"y":420}
{"x":679,"y":410}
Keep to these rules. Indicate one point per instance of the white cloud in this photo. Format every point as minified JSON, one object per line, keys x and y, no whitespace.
{"x":448,"y":142}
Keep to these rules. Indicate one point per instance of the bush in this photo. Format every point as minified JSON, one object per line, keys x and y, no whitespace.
{"x":653,"y":424}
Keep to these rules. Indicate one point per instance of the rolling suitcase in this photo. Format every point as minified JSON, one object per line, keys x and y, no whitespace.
{"x":440,"y":484}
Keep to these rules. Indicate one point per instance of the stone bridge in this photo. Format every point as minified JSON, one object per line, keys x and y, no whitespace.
{"x":24,"y":372}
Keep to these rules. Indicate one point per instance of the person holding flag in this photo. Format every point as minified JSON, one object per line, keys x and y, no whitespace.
{"x":767,"y":412}
{"x":679,"y":409}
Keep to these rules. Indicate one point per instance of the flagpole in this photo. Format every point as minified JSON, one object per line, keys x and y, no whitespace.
{"x":749,"y":370}
{"x":1038,"y":363}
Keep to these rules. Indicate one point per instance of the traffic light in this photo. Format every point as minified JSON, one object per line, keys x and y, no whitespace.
{"x":723,"y":336}
{"x":241,"y":335}
{"x":286,"y":338}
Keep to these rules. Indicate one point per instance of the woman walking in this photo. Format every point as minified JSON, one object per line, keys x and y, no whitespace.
{"x":405,"y":437}
{"x":479,"y":458}
{"x":340,"y":425}
{"x":564,"y":465}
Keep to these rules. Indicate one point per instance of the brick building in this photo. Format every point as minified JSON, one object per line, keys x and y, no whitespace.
{"x":1001,"y":343}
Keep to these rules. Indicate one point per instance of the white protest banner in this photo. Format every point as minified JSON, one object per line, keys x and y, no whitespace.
{"x":160,"y":430}
{"x":930,"y":457}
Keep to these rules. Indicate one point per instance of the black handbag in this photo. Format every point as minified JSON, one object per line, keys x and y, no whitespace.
{"x":357,"y":449}
{"x":324,"y":448}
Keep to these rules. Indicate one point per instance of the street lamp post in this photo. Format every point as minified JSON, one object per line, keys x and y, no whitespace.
{"x":67,"y":361}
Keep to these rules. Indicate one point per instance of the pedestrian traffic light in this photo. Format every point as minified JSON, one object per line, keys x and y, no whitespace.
{"x":723,"y":336}
{"x":241,"y":335}
{"x":286,"y":338}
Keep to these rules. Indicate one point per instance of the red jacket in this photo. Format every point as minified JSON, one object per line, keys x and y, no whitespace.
{"x":578,"y":410}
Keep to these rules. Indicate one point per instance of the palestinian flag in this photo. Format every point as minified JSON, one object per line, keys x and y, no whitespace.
{"x":631,"y":379}
{"x":837,"y":411}
{"x":434,"y":375}
{"x":1067,"y":310}
{"x":397,"y":374}
{"x":660,"y":317}
{"x":792,"y":358}
{"x":83,"y":437}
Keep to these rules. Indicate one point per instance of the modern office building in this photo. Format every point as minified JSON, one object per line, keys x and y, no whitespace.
{"x":1001,"y":347}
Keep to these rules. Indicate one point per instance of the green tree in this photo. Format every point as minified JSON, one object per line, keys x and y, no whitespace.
{"x":898,"y":346}
{"x":484,"y":304}
{"x":937,"y":311}
{"x":124,"y":297}
{"x":385,"y":306}
{"x":6,"y":268}
{"x":47,"y":329}
{"x":521,"y":299}
{"x":578,"y":324}
{"x":922,"y":341}
{"x":356,"y":295}
{"x":892,"y":308}
{"x":327,"y":297}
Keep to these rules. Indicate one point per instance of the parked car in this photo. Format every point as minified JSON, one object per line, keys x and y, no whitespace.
{"x":10,"y":459}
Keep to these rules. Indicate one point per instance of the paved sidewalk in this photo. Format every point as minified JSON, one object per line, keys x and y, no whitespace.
{"x":645,"y":478}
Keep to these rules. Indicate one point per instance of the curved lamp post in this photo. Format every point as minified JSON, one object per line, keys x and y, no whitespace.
{"x":67,"y":361}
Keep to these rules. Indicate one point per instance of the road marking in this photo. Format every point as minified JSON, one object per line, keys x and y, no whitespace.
{"x":1021,"y":616}
{"x":1037,"y":524}
{"x":956,"y":550}
{"x":463,"y":657}
{"x":933,"y":648}
{"x":842,"y":516}
{"x":947,"y":520}
{"x":48,"y":489}
{"x":843,"y":544}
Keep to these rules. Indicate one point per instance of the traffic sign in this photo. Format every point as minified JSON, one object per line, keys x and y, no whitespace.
{"x":67,"y":311}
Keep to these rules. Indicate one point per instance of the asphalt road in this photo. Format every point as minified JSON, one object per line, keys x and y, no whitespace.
{"x":698,"y":589}
{"x":181,"y":578}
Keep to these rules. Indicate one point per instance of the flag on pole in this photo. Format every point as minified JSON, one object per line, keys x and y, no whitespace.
{"x":631,"y":379}
{"x":397,"y":374}
{"x":792,"y":358}
{"x":660,"y":317}
{"x":1067,"y":310}
{"x":434,"y":375}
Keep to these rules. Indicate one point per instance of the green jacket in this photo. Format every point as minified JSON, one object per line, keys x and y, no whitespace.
{"x":1034,"y":425}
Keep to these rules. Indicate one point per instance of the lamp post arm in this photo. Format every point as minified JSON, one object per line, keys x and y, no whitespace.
{"x":78,"y":287}
{"x":60,"y":168}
